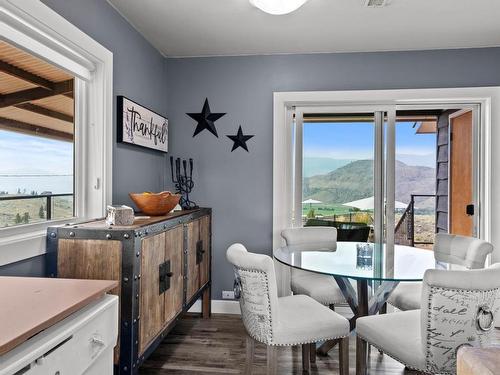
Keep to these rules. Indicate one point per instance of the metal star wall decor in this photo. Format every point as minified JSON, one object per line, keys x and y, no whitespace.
{"x":205,"y":119}
{"x":240,"y":140}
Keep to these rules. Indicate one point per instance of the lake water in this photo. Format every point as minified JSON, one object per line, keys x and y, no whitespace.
{"x":27,"y":184}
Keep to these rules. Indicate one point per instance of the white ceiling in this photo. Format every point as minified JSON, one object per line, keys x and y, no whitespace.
{"x":233,"y":27}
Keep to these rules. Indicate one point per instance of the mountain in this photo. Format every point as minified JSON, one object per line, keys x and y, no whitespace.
{"x":315,"y":166}
{"x":355,"y":181}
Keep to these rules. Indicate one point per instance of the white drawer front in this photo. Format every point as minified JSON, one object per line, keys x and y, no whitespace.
{"x":78,"y":353}
{"x":78,"y":349}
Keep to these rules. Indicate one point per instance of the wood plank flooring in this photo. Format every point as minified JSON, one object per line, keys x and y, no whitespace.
{"x":217,"y":346}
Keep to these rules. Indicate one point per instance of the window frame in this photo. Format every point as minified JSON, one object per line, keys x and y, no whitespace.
{"x":37,"y":29}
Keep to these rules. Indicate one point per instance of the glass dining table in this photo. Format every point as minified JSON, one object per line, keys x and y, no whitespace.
{"x":375,"y":272}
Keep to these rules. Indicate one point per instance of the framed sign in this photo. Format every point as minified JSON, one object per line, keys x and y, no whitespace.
{"x":140,"y":126}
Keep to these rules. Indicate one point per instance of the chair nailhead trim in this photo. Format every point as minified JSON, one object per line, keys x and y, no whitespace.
{"x":270,"y":318}
{"x":391,"y":355}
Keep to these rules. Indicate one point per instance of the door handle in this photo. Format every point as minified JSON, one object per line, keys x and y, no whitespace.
{"x":165,"y":274}
{"x":199,"y":251}
{"x":469,"y":209}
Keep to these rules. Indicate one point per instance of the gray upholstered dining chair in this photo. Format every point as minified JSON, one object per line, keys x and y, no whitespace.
{"x":281,"y":321}
{"x":464,"y":251}
{"x":458,"y":308}
{"x":322,"y":288}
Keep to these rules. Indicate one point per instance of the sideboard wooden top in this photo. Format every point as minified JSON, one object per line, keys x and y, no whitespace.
{"x":140,"y":220}
{"x":28,"y":305}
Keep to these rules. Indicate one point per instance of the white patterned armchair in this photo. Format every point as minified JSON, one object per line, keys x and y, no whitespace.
{"x":458,"y":308}
{"x":322,"y":288}
{"x":281,"y":321}
{"x":467,"y":252}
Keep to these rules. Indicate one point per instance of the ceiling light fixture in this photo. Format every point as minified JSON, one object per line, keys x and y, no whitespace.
{"x":278,"y":7}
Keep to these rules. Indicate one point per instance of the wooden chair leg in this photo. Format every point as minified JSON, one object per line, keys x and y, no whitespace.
{"x":344,"y":356}
{"x":206,"y":302}
{"x":361,"y":347}
{"x":250,"y":349}
{"x":272,"y":360}
{"x":306,"y":358}
{"x":312,"y":352}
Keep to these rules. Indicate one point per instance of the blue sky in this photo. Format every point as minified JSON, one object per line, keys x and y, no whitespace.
{"x":356,"y":140}
{"x":25,"y":154}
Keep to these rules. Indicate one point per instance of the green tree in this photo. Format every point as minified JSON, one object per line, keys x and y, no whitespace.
{"x":41,"y":212}
{"x":311,"y":214}
{"x":18,"y":219}
{"x":26,"y":218}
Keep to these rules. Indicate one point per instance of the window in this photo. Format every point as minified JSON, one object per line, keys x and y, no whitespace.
{"x":36,"y":140}
{"x":398,"y":117}
{"x":82,"y":167}
{"x":338,"y":174}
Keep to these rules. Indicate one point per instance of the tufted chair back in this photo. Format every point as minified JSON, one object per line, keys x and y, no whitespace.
{"x":458,"y":308}
{"x":256,"y":281}
{"x":465,"y":251}
{"x":314,"y":238}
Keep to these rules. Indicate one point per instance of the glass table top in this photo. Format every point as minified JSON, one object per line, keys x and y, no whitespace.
{"x":358,"y":260}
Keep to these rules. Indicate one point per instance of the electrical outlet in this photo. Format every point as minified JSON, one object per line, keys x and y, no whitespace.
{"x":227,"y":294}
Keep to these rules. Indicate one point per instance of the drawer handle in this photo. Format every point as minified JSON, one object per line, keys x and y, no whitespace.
{"x":97,"y":341}
{"x":164,"y":276}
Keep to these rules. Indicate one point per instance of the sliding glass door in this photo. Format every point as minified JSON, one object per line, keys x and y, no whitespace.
{"x":339,"y":173}
{"x":393,"y":169}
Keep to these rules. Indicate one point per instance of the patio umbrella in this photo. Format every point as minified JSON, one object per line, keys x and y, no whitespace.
{"x":369,"y":204}
{"x":311,"y":202}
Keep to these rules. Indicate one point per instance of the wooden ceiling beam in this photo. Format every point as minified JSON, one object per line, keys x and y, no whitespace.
{"x":25,"y":75}
{"x":45,"y":112}
{"x":26,"y":128}
{"x":24,"y":96}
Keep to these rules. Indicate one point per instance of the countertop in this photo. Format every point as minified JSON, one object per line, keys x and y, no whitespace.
{"x":28,"y":305}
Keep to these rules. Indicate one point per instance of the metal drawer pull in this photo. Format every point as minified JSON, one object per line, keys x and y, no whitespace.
{"x":164,"y":276}
{"x":97,"y":341}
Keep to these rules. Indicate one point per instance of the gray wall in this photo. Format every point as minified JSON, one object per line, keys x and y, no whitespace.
{"x":139,"y":74}
{"x":238,"y":185}
{"x":32,"y":267}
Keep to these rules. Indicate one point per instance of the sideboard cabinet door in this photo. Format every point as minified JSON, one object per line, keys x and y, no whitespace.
{"x":151,"y":300}
{"x":198,"y":257}
{"x":174,"y":239}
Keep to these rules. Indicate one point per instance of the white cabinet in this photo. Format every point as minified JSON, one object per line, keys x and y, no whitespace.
{"x":81,"y":344}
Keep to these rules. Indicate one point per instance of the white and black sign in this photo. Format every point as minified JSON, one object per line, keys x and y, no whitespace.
{"x":140,"y":126}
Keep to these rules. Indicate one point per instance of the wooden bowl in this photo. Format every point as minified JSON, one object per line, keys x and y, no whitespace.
{"x":155,"y":204}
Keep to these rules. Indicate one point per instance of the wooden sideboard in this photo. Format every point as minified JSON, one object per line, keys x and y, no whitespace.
{"x":162,"y":264}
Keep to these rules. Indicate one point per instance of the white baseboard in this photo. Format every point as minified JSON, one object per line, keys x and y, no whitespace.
{"x":219,"y":306}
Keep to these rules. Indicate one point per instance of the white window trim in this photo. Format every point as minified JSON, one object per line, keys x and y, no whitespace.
{"x":282,"y":140}
{"x":34,"y":27}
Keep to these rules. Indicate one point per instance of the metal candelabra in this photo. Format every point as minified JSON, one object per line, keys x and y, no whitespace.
{"x":183,"y":181}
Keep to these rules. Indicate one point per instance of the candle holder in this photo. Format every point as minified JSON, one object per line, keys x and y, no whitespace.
{"x":183,"y":181}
